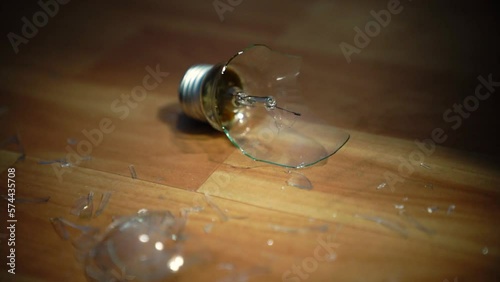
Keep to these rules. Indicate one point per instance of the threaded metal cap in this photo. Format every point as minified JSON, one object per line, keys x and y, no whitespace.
{"x":190,"y":91}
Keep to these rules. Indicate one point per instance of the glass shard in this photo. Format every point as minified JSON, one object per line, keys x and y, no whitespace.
{"x":84,"y":206}
{"x":401,"y":230}
{"x":144,"y":247}
{"x":432,"y":209}
{"x":260,"y":110}
{"x":381,"y":186}
{"x":299,"y":180}
{"x":133,"y":174}
{"x":416,"y":223}
{"x":451,"y":209}
{"x":103,"y":203}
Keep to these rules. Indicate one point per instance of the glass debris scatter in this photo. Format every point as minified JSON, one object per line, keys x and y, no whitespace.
{"x":381,"y":185}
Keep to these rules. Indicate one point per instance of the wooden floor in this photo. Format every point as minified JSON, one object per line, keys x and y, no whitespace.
{"x":381,"y":209}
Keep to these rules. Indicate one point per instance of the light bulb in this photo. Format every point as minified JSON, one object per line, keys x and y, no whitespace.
{"x":254,"y":98}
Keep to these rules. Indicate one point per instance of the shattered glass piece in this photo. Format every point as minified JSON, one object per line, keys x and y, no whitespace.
{"x":84,"y":206}
{"x":270,"y":242}
{"x":65,"y":164}
{"x":485,"y":250}
{"x":143,"y":247}
{"x":424,"y":165}
{"x":416,"y":223}
{"x":222,"y":215}
{"x":208,"y":227}
{"x":432,"y":209}
{"x":299,"y":180}
{"x":396,"y":227}
{"x":381,"y":185}
{"x":133,"y":174}
{"x":259,"y":108}
{"x":60,"y":228}
{"x":399,"y":206}
{"x":104,"y":203}
{"x":195,"y":209}
{"x":451,"y":208}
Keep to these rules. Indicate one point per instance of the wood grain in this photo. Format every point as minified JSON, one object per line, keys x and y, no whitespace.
{"x":64,"y":82}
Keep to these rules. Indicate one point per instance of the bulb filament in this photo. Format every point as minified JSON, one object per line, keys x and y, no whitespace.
{"x":269,"y":102}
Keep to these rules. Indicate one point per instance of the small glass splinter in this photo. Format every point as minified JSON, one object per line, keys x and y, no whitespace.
{"x":384,"y":222}
{"x":133,"y":174}
{"x":59,"y":228}
{"x":416,"y":223}
{"x":104,"y":203}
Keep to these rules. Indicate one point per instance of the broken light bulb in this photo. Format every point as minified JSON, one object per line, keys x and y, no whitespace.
{"x":254,"y":99}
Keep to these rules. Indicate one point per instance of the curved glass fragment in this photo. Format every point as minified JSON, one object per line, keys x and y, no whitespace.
{"x":259,"y":108}
{"x":144,"y":247}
